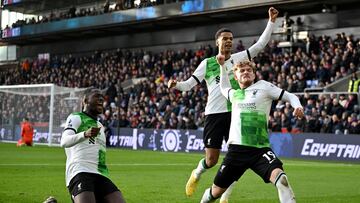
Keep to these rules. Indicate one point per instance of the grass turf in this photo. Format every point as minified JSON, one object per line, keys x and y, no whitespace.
{"x":31,"y":174}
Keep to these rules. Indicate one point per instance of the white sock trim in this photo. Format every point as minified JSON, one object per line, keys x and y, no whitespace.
{"x":207,"y":196}
{"x":286,"y":194}
{"x":228,"y":191}
{"x":200,"y":168}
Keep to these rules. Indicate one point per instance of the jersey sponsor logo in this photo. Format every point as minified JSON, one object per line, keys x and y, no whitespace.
{"x":311,"y":148}
{"x":250,"y":106}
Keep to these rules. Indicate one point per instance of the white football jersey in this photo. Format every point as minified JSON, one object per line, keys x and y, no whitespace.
{"x":250,"y":113}
{"x":209,"y":70}
{"x":89,"y":154}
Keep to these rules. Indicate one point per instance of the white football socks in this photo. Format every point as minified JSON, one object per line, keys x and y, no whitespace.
{"x":286,"y":194}
{"x":225,"y":196}
{"x":207,"y":197}
{"x":201,"y":168}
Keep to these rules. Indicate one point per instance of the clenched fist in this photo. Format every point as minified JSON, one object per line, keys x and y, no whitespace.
{"x":273,"y":13}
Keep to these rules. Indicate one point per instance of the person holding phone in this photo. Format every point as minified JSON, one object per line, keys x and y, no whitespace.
{"x":85,"y":146}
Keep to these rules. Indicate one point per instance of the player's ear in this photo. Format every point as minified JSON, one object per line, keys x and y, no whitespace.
{"x":84,"y":103}
{"x":216,"y":42}
{"x":235,"y":76}
{"x":85,"y":100}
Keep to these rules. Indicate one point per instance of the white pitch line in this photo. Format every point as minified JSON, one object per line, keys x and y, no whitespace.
{"x":125,"y":164}
{"x":308,"y":164}
{"x":35,"y":164}
{"x":322,"y":164}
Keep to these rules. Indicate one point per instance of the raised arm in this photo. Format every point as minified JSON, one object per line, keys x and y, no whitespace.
{"x":277,"y":93}
{"x":195,"y":79}
{"x":266,"y":35}
{"x":295,"y":103}
{"x":262,"y":41}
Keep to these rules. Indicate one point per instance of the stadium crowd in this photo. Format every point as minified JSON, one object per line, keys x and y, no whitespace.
{"x":108,"y":7}
{"x":150,"y":104}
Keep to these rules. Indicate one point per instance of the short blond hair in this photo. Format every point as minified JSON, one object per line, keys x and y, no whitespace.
{"x":245,"y":63}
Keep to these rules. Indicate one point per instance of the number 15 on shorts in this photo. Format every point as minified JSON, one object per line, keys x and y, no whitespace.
{"x":270,"y":156}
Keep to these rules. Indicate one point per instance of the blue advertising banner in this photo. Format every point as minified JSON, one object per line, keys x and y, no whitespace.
{"x":312,"y":146}
{"x":168,"y":140}
{"x":316,"y":146}
{"x":7,"y":132}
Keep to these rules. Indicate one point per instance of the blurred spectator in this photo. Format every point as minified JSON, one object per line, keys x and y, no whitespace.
{"x":107,"y":6}
{"x":72,"y":12}
{"x":336,"y":108}
{"x":336,"y":125}
{"x":150,"y":104}
{"x":90,"y":11}
{"x":240,"y":47}
{"x":354,"y":83}
{"x":299,"y":21}
{"x":287,"y":26}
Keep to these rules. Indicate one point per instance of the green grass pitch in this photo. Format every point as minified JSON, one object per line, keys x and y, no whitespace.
{"x":31,"y":174}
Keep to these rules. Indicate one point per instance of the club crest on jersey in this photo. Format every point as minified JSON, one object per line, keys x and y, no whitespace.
{"x":69,"y":123}
{"x":209,"y":141}
{"x":254,"y":93}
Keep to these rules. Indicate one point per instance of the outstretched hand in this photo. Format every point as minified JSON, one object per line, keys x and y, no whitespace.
{"x":171,"y":83}
{"x":220,"y":59}
{"x":299,"y":112}
{"x":273,"y":14}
